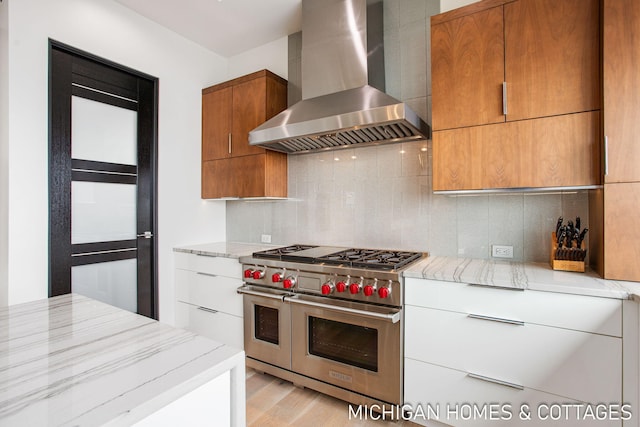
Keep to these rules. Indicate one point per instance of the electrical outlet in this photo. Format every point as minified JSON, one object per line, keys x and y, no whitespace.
{"x":501,"y":251}
{"x":265,"y":238}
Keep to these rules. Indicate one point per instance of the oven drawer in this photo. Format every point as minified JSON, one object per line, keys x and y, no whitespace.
{"x":573,"y":364}
{"x":210,"y":291}
{"x":345,"y":345}
{"x":446,"y":390}
{"x":221,"y":266}
{"x":581,"y":313}
{"x":267,"y":326}
{"x":218,"y":326}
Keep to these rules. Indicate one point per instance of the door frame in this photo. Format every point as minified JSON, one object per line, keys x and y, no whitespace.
{"x":60,"y":175}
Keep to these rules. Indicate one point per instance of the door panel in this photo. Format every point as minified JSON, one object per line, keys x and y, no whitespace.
{"x":552,"y":41}
{"x":249,"y":106}
{"x":216,"y":124}
{"x":103,"y":132}
{"x":467,"y":66}
{"x":102,"y":181}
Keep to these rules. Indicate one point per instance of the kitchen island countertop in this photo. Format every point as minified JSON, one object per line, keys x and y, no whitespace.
{"x":509,"y":274}
{"x":71,"y":360}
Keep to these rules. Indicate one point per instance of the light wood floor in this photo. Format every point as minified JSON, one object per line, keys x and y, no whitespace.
{"x":275,"y":402}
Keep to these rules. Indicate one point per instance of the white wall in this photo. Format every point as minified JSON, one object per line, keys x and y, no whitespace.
{"x":4,"y":150}
{"x":273,"y":56}
{"x":446,"y":5}
{"x":111,"y":31}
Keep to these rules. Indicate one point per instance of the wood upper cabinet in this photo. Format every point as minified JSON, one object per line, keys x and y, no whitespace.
{"x":552,"y":57}
{"x":230,"y":166}
{"x":613,"y":214}
{"x":519,"y":154}
{"x":621,"y":78}
{"x":516,"y":67}
{"x":542,"y":55}
{"x":467,"y":69}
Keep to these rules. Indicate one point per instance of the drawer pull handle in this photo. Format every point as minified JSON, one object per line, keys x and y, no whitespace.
{"x":496,"y":319}
{"x":504,"y":288}
{"x":495,"y":381}
{"x":208,"y":310}
{"x":206,"y":274}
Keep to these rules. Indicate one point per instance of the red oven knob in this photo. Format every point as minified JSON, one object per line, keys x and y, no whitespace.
{"x":354,"y":288}
{"x":289,"y":282}
{"x":276,"y":277}
{"x":369,"y":290}
{"x":341,"y":286}
{"x":248,"y":273}
{"x":384,"y":292}
{"x":258,"y":274}
{"x":327,"y":288}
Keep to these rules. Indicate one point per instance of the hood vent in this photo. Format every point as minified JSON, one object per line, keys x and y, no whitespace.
{"x":340,"y":106}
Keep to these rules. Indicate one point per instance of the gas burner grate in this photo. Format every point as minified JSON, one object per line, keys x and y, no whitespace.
{"x":370,"y":258}
{"x":277,"y":253}
{"x":387,"y":260}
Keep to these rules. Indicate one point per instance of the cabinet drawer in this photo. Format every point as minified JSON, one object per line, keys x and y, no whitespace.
{"x":229,"y":267}
{"x":214,"y":292}
{"x":217,"y":326}
{"x":444,"y":390}
{"x":581,"y":313}
{"x":568,"y":363}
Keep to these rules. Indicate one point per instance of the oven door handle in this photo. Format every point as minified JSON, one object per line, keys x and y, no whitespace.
{"x":248,"y":291}
{"x":392,"y":317}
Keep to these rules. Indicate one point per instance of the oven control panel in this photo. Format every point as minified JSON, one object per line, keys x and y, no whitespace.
{"x":358,"y":287}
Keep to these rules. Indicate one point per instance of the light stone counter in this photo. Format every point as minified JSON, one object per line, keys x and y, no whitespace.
{"x":533,"y":276}
{"x":224,"y":249}
{"x":74,"y":361}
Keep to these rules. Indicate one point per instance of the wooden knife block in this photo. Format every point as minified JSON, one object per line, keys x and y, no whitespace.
{"x":566,"y":264}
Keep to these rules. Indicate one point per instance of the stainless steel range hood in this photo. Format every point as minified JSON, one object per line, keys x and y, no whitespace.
{"x":340,"y":107}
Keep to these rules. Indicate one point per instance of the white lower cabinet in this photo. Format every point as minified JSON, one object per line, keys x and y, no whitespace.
{"x":479,"y":365}
{"x":206,"y":299}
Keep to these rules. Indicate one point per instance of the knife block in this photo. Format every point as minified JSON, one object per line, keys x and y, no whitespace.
{"x":567,"y":259}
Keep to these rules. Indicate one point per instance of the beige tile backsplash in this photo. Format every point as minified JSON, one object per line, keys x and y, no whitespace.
{"x":381,"y":197}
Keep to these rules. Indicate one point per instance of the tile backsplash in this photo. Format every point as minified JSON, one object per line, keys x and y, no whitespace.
{"x":381,"y":196}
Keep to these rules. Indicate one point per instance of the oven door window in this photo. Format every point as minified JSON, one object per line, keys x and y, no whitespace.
{"x":266,"y":324}
{"x":343,"y":342}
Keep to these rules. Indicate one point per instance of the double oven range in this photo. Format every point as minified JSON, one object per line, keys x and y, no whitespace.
{"x":328,"y":318}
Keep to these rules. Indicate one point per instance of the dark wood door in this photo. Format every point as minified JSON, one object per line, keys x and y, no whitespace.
{"x":102,"y":180}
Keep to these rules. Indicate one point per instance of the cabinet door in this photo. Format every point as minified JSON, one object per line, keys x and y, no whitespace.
{"x":216,"y":124}
{"x":547,"y":152}
{"x":552,"y":57}
{"x":622,"y":231}
{"x":621,"y":58}
{"x":249,"y":111}
{"x":218,"y":179}
{"x":467,"y":66}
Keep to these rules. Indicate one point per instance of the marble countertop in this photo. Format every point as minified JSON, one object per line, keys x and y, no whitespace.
{"x":224,"y":249}
{"x":74,"y":361}
{"x":508,"y":274}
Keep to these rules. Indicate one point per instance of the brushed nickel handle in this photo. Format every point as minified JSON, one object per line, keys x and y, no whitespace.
{"x":504,"y":98}
{"x":495,"y":381}
{"x":606,"y":155}
{"x":208,"y":310}
{"x":206,"y":274}
{"x":496,"y":319}
{"x":392,"y":317}
{"x":247,"y":291}
{"x":229,"y":143}
{"x":146,"y":235}
{"x":504,"y":288}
